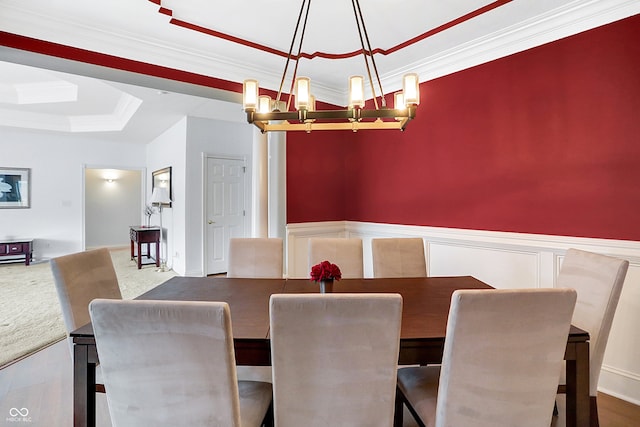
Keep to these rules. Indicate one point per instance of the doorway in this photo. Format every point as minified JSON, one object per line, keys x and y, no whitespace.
{"x":225,"y":209}
{"x":112,"y":203}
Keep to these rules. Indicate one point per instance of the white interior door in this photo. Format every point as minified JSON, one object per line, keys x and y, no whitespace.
{"x":225,"y":209}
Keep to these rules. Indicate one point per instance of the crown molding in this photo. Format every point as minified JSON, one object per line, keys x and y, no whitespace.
{"x":576,"y":17}
{"x":572,"y":18}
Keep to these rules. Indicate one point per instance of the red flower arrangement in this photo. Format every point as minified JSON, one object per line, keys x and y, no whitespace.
{"x":325,"y":271}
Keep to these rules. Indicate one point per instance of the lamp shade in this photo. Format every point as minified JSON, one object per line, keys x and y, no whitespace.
{"x":159,"y":196}
{"x":264,"y":104}
{"x":303,"y":93}
{"x":411,"y":89}
{"x":356,"y":91}
{"x":250,"y":94}
{"x":398,"y":99}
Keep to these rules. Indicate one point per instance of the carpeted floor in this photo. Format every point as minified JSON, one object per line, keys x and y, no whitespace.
{"x":30,"y":317}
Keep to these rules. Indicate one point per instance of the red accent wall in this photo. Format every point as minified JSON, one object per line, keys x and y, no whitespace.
{"x":544,"y":141}
{"x":316,"y":174}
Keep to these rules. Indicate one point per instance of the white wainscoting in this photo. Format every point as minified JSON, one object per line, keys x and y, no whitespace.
{"x":503,"y":260}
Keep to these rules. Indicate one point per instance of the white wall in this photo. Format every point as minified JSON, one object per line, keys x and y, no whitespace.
{"x":55,"y":219}
{"x":182,"y":147}
{"x":169,"y":150}
{"x":58,"y":162}
{"x":217,"y":138}
{"x":504,"y":260}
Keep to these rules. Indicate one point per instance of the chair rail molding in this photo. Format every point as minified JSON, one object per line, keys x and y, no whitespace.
{"x":503,"y":260}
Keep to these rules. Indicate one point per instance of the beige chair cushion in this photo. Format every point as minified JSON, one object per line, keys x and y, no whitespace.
{"x":598,"y":279}
{"x":398,"y":257}
{"x":172,"y":363}
{"x":345,"y":253}
{"x":79,"y":279}
{"x":503,"y":352}
{"x":255,"y":257}
{"x":334,"y":358}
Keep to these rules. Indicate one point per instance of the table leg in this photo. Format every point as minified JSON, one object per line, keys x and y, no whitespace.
{"x":578,"y":400}
{"x":84,"y":379}
{"x":139,"y":256}
{"x":132,"y":250}
{"x":158,"y":253}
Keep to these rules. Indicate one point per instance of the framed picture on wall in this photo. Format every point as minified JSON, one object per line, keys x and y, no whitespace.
{"x":14,"y":187}
{"x":162,"y":178}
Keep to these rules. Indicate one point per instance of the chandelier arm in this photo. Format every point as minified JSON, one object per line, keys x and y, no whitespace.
{"x":295,"y":70}
{"x":293,"y":39}
{"x":373,"y":61}
{"x":364,"y":51}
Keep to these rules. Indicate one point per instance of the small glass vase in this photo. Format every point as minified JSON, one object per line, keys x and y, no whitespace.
{"x":326,"y":286}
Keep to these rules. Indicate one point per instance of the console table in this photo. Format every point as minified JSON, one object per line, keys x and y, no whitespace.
{"x":17,"y":247}
{"x":144,"y":235}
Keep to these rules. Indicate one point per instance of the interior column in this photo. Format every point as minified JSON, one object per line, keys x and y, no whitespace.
{"x":259,"y":192}
{"x":277,"y":184}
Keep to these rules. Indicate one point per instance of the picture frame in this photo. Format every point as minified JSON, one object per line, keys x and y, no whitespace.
{"x":162,"y":178}
{"x":15,"y":188}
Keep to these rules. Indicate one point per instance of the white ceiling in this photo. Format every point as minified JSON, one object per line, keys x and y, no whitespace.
{"x":235,"y":40}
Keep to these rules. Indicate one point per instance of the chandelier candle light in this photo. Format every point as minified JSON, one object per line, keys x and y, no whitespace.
{"x":274,"y":115}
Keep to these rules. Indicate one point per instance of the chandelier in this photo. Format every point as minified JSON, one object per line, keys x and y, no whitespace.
{"x":275,"y":115}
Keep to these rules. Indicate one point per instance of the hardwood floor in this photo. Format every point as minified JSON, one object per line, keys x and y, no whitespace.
{"x":42,"y":384}
{"x":616,"y":412}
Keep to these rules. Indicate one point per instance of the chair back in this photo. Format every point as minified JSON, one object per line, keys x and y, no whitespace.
{"x":334,"y":358}
{"x":167,"y":363}
{"x":502,"y":357}
{"x":398,"y":257}
{"x":255,"y":258}
{"x":345,"y":253}
{"x":79,"y":279}
{"x":598,"y":280}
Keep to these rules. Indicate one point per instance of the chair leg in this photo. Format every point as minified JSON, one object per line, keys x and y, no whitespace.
{"x":398,"y":415}
{"x":400,"y":400}
{"x":268,"y":420}
{"x":593,"y":412}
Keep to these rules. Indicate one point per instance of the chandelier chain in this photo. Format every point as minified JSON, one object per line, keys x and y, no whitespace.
{"x":368,"y":51}
{"x":268,"y":117}
{"x":295,"y":69}
{"x":293,"y":40}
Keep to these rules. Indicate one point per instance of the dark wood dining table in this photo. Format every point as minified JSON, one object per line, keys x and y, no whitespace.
{"x":425,"y":309}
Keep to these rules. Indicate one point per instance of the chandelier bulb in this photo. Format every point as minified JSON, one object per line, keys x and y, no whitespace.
{"x":411,"y":89}
{"x":250,"y":94}
{"x":356,"y":91}
{"x":303,"y":93}
{"x":264,"y":104}
{"x":398,"y":101}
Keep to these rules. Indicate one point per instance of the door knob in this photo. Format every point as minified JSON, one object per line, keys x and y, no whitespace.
{"x":211,"y":222}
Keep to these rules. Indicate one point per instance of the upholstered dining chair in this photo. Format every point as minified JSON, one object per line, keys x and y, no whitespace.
{"x":346,"y":253}
{"x":334,"y":358}
{"x":503,"y":353}
{"x":172,"y":363}
{"x":398,"y":257}
{"x":260,"y":258}
{"x":80,"y":278}
{"x":598,"y":279}
{"x":255,"y":257}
